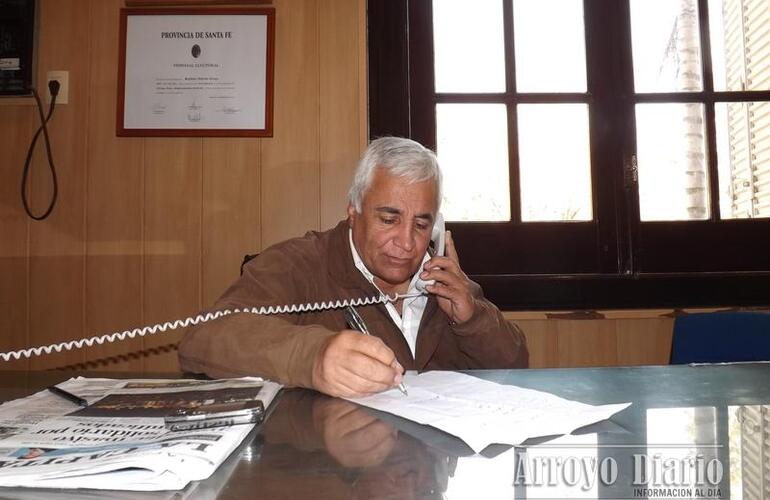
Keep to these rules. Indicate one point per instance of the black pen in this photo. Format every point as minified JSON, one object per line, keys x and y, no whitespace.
{"x":356,"y":322}
{"x":68,"y":396}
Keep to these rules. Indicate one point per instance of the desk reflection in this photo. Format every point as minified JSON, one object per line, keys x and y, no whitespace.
{"x":332,"y":446}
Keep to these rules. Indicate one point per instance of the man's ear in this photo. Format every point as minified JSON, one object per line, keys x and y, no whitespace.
{"x":352,"y":215}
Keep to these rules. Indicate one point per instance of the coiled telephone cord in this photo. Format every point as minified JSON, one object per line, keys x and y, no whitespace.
{"x":200,"y":318}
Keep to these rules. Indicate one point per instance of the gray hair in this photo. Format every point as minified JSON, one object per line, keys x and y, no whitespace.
{"x":401,"y":157}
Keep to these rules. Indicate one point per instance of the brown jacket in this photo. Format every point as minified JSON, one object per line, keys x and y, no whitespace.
{"x":319,"y":267}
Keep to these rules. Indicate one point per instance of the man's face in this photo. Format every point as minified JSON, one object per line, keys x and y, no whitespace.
{"x":392,"y":231}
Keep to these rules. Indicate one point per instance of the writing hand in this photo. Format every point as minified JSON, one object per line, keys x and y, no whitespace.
{"x":350,"y":364}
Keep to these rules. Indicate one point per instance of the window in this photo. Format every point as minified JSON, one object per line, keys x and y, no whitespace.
{"x":596,"y":154}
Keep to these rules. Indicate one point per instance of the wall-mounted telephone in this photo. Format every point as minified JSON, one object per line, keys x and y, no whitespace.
{"x":438,"y":241}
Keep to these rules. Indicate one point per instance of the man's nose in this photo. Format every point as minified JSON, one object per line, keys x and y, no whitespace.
{"x":405,"y":238}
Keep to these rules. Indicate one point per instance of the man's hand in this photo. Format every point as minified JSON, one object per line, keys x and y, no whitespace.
{"x":351,"y":364}
{"x":452,"y":287}
{"x":353,"y":436}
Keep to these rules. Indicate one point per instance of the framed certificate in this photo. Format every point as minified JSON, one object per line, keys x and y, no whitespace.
{"x":196,"y":72}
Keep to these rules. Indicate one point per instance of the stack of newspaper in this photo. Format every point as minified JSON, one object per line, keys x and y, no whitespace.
{"x":120,"y":441}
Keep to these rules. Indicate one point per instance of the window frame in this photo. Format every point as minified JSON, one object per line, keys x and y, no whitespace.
{"x":614,"y":261}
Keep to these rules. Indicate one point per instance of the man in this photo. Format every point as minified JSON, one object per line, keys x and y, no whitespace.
{"x":380,"y":249}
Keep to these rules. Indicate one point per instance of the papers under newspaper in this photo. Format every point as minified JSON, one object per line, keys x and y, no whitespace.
{"x":121,"y":440}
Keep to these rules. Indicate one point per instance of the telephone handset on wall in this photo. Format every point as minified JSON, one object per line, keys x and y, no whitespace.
{"x":438,"y":241}
{"x":438,"y":237}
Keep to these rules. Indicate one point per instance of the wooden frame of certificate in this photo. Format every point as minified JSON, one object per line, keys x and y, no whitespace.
{"x":196,"y":72}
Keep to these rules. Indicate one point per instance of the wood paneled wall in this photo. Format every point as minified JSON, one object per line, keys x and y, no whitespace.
{"x":628,"y":341}
{"x":151,"y":229}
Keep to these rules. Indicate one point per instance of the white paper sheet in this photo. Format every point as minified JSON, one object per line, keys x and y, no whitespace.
{"x":481,"y":412}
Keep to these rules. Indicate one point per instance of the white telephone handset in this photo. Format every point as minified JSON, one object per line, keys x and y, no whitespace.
{"x":438,"y":239}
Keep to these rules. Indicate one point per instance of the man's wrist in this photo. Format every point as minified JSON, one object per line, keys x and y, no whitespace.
{"x":472,"y":324}
{"x":474,"y":306}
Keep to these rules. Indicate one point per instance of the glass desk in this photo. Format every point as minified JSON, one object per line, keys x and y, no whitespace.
{"x":692,"y":432}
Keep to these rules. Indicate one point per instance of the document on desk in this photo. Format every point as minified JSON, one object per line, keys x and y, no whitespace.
{"x":481,"y":412}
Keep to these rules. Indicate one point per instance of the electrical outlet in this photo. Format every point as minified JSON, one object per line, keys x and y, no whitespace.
{"x":64,"y":86}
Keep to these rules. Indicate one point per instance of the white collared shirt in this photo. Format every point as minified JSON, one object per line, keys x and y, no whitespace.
{"x":411,"y":308}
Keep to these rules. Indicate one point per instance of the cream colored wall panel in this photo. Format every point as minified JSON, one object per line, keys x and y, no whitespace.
{"x":644,"y":342}
{"x":340,"y":116}
{"x":16,"y":132}
{"x":57,"y":244}
{"x":231,"y":223}
{"x":290,"y":173}
{"x":587,"y":343}
{"x":363,"y":78}
{"x":542,"y":344}
{"x":114,"y":207}
{"x":172,"y":242}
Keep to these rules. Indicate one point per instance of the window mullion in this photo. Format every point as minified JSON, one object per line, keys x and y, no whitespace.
{"x":514,"y":184}
{"x":510,"y":63}
{"x":608,"y":125}
{"x":710,"y":114}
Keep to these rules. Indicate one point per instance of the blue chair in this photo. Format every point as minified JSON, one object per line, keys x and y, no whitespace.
{"x":721,"y":337}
